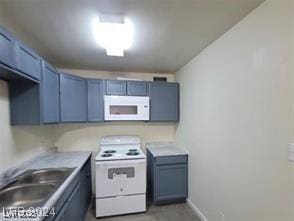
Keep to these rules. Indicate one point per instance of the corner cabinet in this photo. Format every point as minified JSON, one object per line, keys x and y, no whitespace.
{"x":164,"y":101}
{"x":33,"y":103}
{"x":73,"y":98}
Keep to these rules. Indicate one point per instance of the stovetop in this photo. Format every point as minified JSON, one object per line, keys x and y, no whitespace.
{"x":120,"y":153}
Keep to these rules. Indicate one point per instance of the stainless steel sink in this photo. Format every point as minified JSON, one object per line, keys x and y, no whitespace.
{"x":26,"y":195}
{"x":46,"y":176}
{"x":33,"y":188}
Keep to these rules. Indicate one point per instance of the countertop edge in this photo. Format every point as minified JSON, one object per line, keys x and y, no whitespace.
{"x":56,"y":196}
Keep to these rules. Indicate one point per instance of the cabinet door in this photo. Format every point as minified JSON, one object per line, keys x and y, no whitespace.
{"x":115,"y":87}
{"x":27,"y":61}
{"x":73,"y":99}
{"x":164,"y":101}
{"x":72,"y":208}
{"x":7,"y":55}
{"x":95,"y":100}
{"x":170,"y":182}
{"x":50,"y":94}
{"x":86,"y":189}
{"x":137,"y":88}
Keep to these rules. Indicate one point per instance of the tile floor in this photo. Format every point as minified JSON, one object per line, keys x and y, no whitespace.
{"x":174,"y":212}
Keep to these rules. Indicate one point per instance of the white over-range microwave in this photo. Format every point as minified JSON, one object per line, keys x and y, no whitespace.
{"x":120,"y":108}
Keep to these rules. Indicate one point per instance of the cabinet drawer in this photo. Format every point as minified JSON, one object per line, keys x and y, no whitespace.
{"x":115,"y":87}
{"x":166,"y":160}
{"x":137,"y":88}
{"x":7,"y":55}
{"x":27,"y":61}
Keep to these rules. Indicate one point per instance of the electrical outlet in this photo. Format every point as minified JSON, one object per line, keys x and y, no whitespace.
{"x":43,"y":145}
{"x":222,"y":216}
{"x":291,"y":152}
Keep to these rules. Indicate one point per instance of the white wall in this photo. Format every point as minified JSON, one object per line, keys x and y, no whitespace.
{"x":19,"y":143}
{"x":87,"y":136}
{"x":237,"y":119}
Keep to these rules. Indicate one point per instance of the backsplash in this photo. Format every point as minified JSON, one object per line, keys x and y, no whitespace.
{"x":19,"y":143}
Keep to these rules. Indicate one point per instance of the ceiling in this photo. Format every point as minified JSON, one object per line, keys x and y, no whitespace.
{"x":168,"y":33}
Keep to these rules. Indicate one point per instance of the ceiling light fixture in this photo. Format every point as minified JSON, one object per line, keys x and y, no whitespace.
{"x":114,"y":34}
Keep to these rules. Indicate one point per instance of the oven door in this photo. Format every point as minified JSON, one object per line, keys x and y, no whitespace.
{"x":126,"y":108}
{"x":120,"y":177}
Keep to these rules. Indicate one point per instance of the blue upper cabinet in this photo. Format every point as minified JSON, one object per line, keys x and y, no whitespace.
{"x":27,"y":61}
{"x":137,"y":88}
{"x":164,"y":101}
{"x":95,"y":100}
{"x":7,"y":56}
{"x":116,"y":87}
{"x":24,"y":103}
{"x":50,"y":94}
{"x":73,"y":98}
{"x":33,"y":103}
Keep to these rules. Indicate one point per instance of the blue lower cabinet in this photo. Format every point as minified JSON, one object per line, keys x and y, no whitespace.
{"x":73,"y":98}
{"x":170,"y":182}
{"x":167,"y":178}
{"x":27,"y":61}
{"x":74,"y":206}
{"x":86,"y":191}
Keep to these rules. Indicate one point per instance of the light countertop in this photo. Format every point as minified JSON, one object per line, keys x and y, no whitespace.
{"x":158,"y":149}
{"x":53,"y":159}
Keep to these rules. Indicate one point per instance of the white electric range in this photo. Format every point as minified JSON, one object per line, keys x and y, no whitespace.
{"x":120,"y":176}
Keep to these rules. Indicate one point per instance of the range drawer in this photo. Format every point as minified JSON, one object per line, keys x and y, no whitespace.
{"x":166,"y":160}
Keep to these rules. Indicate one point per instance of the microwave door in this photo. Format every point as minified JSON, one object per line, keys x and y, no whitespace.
{"x":122,"y":108}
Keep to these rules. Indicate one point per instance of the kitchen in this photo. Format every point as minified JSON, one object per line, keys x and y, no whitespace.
{"x":198,"y":109}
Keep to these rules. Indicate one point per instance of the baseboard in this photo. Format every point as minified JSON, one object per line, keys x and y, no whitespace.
{"x":196,"y":210}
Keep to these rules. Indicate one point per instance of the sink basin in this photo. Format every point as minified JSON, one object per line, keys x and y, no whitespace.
{"x":26,"y":195}
{"x":46,"y":176}
{"x":33,"y":188}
